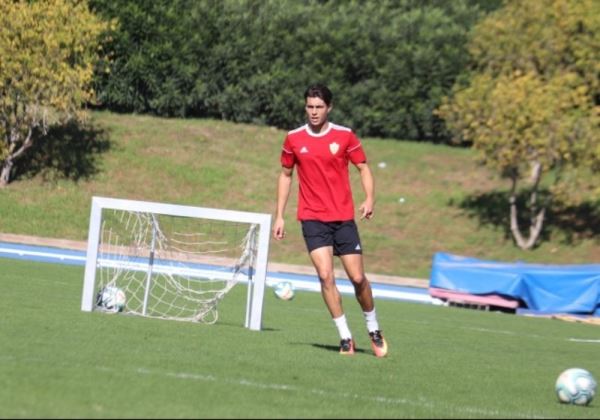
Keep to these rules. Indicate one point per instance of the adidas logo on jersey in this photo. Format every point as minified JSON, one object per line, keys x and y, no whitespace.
{"x":304,"y":149}
{"x":357,"y":247}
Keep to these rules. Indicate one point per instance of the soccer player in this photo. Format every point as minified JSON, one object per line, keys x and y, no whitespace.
{"x":321,"y":151}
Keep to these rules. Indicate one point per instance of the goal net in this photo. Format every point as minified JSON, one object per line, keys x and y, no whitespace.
{"x":175,"y":262}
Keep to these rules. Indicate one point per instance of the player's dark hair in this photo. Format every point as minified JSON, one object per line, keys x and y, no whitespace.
{"x":319,"y":90}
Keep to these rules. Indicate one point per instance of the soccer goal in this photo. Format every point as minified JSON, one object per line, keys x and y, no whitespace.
{"x":175,"y":262}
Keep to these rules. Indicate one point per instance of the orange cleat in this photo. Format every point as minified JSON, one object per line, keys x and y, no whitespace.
{"x":378,"y":343}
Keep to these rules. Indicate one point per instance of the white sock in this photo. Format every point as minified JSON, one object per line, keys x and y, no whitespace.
{"x":342,"y":327}
{"x":371,"y":318}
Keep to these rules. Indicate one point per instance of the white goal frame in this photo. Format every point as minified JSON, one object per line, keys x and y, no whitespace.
{"x":256,"y":282}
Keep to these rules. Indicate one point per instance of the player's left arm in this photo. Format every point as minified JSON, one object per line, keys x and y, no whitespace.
{"x":368,"y":183}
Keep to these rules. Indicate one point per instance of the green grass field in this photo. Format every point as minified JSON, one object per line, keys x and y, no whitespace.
{"x":430,"y":198}
{"x":59,"y":362}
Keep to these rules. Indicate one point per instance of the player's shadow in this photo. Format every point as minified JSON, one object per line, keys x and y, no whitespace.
{"x":336,"y":349}
{"x":69,"y":151}
{"x":575,"y":223}
{"x":236,"y":324}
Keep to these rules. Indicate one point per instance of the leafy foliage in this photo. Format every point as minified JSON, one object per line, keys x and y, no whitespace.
{"x":390,"y":62}
{"x":48,"y":52}
{"x":531,"y":105}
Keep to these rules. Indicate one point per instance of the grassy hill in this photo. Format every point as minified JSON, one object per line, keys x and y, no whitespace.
{"x":430,"y":198}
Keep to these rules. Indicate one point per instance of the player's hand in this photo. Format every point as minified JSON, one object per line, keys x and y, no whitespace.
{"x":366,"y":210}
{"x":278,"y":229}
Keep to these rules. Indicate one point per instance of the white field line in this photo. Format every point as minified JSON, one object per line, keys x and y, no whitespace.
{"x":506,"y":332}
{"x":486,"y":330}
{"x":419,"y":402}
{"x":584,"y":340}
{"x":52,"y":255}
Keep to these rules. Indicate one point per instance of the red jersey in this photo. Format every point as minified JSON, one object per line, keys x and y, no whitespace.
{"x":324,"y":180}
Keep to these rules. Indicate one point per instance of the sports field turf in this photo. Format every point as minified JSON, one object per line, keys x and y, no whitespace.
{"x":56,"y":361}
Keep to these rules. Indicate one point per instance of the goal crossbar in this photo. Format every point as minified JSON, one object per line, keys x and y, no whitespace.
{"x":256,"y":279}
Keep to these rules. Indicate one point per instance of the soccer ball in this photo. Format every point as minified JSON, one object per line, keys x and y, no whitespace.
{"x":111,"y":299}
{"x":575,"y":386}
{"x":284,"y":290}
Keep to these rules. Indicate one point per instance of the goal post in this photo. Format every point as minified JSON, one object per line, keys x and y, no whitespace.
{"x":175,"y":261}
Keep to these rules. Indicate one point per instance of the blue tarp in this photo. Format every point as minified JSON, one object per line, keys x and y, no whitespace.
{"x":544,"y":288}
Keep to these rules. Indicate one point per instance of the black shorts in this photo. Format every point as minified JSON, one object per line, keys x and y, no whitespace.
{"x":342,"y":236}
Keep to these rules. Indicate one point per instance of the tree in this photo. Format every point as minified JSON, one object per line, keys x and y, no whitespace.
{"x":48,"y":50}
{"x":530,"y":107}
{"x":161,"y":51}
{"x":249,"y":61}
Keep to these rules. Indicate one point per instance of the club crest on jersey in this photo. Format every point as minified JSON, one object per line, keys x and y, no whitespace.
{"x":333,"y":148}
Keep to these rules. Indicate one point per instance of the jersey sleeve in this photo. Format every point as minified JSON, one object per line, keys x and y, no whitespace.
{"x":288,"y":159}
{"x":355,"y":151}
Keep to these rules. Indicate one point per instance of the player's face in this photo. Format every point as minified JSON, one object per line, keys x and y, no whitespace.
{"x":316,"y":111}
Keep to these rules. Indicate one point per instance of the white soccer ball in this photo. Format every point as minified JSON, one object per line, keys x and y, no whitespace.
{"x":284,"y":290}
{"x":111,"y":299}
{"x":575,"y":386}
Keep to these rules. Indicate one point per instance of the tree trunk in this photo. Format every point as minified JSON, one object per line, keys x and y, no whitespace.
{"x":14,"y":154}
{"x":5,"y":172}
{"x":537,"y":217}
{"x":535,"y":227}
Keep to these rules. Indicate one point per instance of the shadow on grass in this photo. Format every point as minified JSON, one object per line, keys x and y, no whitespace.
{"x":240,"y":325}
{"x":334,"y":348}
{"x":69,"y":151}
{"x":575,"y":223}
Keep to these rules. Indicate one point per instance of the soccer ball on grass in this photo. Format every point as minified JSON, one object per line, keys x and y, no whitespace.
{"x":284,"y":290}
{"x":111,"y":299}
{"x":575,"y":386}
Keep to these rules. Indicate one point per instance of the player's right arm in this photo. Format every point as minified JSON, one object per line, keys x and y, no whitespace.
{"x":284,"y":185}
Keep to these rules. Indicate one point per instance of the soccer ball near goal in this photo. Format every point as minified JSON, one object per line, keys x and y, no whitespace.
{"x":284,"y":290}
{"x":575,"y":386}
{"x":111,"y":299}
